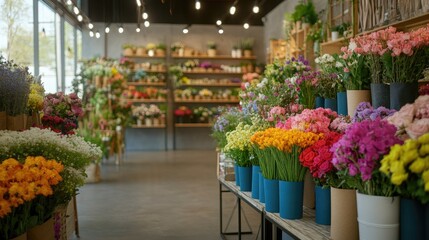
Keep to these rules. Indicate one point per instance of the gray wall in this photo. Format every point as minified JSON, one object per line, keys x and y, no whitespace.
{"x":197,"y":38}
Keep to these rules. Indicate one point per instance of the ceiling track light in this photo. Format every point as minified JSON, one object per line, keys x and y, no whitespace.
{"x":197,"y":5}
{"x":90,"y":26}
{"x":79,"y":18}
{"x":120,"y":29}
{"x":246,"y":25}
{"x":107,"y":29}
{"x":97,"y":34}
{"x":146,"y":23}
{"x":218,"y":22}
{"x":232,"y":10}
{"x":185,"y":30}
{"x":69,"y":2}
{"x":76,"y":10}
{"x":255,"y":8}
{"x":145,"y":15}
{"x":91,"y":33}
{"x":138,"y":28}
{"x":139,"y":3}
{"x":220,"y":31}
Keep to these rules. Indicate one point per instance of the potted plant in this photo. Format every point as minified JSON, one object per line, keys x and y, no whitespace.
{"x":177,"y":49}
{"x":298,"y":14}
{"x":150,"y":48}
{"x":309,"y":16}
{"x":236,"y":51}
{"x":211,"y":51}
{"x":339,"y":30}
{"x":247,"y":46}
{"x":160,"y":50}
{"x":140,"y":50}
{"x":128,"y":50}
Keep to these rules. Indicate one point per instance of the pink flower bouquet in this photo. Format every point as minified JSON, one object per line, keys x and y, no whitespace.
{"x":412,"y":120}
{"x":357,"y":156}
{"x":310,"y":120}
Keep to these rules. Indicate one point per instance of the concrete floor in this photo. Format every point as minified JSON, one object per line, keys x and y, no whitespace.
{"x":158,"y":195}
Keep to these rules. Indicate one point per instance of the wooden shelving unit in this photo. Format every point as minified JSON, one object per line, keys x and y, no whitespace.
{"x":145,"y":56}
{"x":147,"y":84}
{"x":154,"y":71}
{"x":193,"y":125}
{"x":218,"y":57}
{"x":211,"y":85}
{"x":143,"y":126}
{"x":206,"y":101}
{"x":212,"y":73}
{"x":147,"y":100}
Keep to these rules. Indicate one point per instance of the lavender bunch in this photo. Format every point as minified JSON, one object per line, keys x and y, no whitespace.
{"x":365,"y":111}
{"x":14,"y":87}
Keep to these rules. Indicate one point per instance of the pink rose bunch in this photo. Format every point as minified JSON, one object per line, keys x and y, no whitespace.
{"x":375,"y":42}
{"x":412,"y":120}
{"x":276,"y":114}
{"x":340,"y":124}
{"x":362,"y":146}
{"x":310,"y":120}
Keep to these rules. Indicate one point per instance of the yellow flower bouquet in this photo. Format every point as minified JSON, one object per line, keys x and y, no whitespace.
{"x":238,"y":145}
{"x":278,"y":151}
{"x":407,"y":166}
{"x":24,"y":191}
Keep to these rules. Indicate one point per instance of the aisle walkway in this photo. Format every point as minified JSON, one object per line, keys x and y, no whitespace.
{"x":155,"y":195}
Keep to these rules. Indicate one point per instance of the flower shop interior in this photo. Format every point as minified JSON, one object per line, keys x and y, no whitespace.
{"x":214,"y":119}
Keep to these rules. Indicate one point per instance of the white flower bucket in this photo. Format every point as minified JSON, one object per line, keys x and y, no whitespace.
{"x":92,"y":173}
{"x":334,"y":35}
{"x":378,"y":217}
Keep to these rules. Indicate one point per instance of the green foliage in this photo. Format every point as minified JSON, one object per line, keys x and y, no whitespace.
{"x":247,"y":44}
{"x":211,"y":45}
{"x":241,"y":157}
{"x":305,"y":12}
{"x":341,"y":28}
{"x":161,"y":46}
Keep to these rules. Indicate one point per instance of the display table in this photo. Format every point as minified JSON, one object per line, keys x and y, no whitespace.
{"x":305,"y":228}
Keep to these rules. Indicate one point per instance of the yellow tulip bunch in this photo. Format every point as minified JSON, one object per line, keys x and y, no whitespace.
{"x":407,"y":166}
{"x":20,"y":183}
{"x":240,"y":137}
{"x":283,"y":139}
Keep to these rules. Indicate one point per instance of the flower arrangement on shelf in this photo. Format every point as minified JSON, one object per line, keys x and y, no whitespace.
{"x":358,"y":154}
{"x":61,"y":112}
{"x":145,"y":93}
{"x":204,"y":94}
{"x":310,"y":120}
{"x":278,"y":151}
{"x":365,"y":111}
{"x":226,"y":121}
{"x":202,"y":115}
{"x":318,"y":159}
{"x":151,"y":114}
{"x":24,"y":205}
{"x":407,"y":170}
{"x":176,"y":47}
{"x":412,"y":120}
{"x":183,"y":114}
{"x":238,"y":145}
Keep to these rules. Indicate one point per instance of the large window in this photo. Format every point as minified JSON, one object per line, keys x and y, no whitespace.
{"x":16,"y":26}
{"x":47,"y":50}
{"x":69,"y":54}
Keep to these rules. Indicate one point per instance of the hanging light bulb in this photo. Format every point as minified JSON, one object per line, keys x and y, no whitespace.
{"x":246,"y":26}
{"x":145,"y":15}
{"x":76,"y":10}
{"x":69,"y":2}
{"x":220,"y":31}
{"x":90,"y":26}
{"x":232,"y":10}
{"x":197,"y":5}
{"x":120,"y":29}
{"x":107,"y":29}
{"x":146,"y":23}
{"x":97,"y":34}
{"x":139,"y":3}
{"x":218,"y":22}
{"x":138,"y":29}
{"x":79,"y":18}
{"x":91,"y":33}
{"x":255,"y":9}
{"x":185,"y":30}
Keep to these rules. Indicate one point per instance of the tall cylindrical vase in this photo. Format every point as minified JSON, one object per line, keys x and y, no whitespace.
{"x":331,"y":103}
{"x":291,"y":195}
{"x":378,"y":217}
{"x":320,"y":102}
{"x":380,"y":95}
{"x":342,"y":103}
{"x":412,"y":220}
{"x":255,"y":181}
{"x":245,"y":178}
{"x":344,"y":214}
{"x":354,"y":97}
{"x":309,"y":198}
{"x":261,"y":188}
{"x":323,"y":205}
{"x":271,"y":188}
{"x":237,"y":175}
{"x":403,"y":93}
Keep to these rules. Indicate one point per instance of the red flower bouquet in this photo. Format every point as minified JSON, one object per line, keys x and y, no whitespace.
{"x":318,"y":158}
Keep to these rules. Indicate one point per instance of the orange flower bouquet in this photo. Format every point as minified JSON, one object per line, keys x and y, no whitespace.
{"x":24,"y":191}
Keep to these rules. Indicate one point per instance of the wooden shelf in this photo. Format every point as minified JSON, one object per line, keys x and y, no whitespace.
{"x":144,"y":126}
{"x":220,"y":57}
{"x":332,"y":47}
{"x":146,"y":84}
{"x":211,"y":85}
{"x":145,"y":56}
{"x":205,"y":101}
{"x":147,"y":100}
{"x":154,"y":71}
{"x":213,"y":73}
{"x":404,"y":25}
{"x":193,"y":125}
